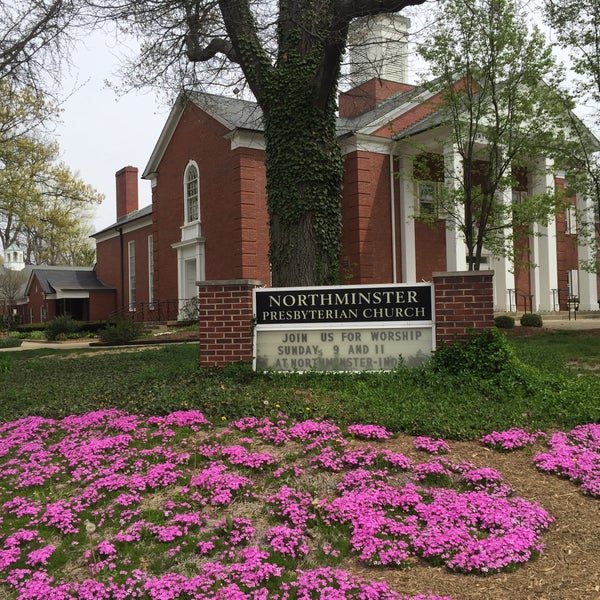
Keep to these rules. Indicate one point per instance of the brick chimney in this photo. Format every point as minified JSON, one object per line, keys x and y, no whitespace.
{"x":127,"y":191}
{"x":378,"y":49}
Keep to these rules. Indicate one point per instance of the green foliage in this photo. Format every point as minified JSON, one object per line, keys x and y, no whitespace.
{"x":531,"y":320}
{"x":498,"y":81}
{"x":10,"y":342}
{"x":58,"y":329}
{"x":486,"y":354}
{"x":120,"y":330}
{"x":6,"y":363}
{"x":504,"y":322}
{"x":28,"y":327}
{"x":490,"y":383}
{"x":45,"y":206}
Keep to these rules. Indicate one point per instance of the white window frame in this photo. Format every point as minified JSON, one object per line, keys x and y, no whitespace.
{"x":428,"y":205}
{"x":573,"y":283}
{"x":191,"y":193}
{"x":131,"y":274}
{"x":571,"y":220}
{"x":519,"y":196}
{"x":151,"y":272}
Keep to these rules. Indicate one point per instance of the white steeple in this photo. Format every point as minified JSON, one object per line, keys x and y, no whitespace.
{"x":13,"y":258}
{"x":379,"y":48}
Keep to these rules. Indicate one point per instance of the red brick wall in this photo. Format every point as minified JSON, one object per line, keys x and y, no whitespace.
{"x":464,"y":302}
{"x":236,"y":235}
{"x":430,"y":248}
{"x":109,"y":264}
{"x":225,"y":321}
{"x":366,"y":219}
{"x":368,"y":95}
{"x":37,"y":301}
{"x":566,"y":249}
{"x":102,"y":304}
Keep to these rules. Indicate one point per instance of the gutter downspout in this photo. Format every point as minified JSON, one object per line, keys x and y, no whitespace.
{"x":393,"y":215}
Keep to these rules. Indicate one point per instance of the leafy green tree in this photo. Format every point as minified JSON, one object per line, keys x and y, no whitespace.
{"x":289,"y":53}
{"x":44,"y":207}
{"x":500,"y":103}
{"x":577,"y":26}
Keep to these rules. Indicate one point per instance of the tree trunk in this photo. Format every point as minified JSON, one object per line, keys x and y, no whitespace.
{"x":304,"y":183}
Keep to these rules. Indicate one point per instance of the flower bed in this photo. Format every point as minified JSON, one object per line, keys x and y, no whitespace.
{"x":113,"y":505}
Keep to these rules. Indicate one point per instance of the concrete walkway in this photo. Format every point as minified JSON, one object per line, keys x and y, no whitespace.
{"x":38,"y":344}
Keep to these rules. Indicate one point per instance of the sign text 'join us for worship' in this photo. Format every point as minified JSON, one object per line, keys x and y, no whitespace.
{"x":343,"y":328}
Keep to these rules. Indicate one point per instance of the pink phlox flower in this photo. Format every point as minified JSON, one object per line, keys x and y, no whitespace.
{"x":220,"y":484}
{"x":182,"y":418}
{"x":60,"y":514}
{"x":315,"y":434}
{"x":291,"y":505}
{"x":431,"y":445}
{"x":40,"y":556}
{"x":289,"y":541}
{"x":511,"y":439}
{"x":22,"y":507}
{"x":576,"y":456}
{"x":239,"y":455}
{"x":369,"y":432}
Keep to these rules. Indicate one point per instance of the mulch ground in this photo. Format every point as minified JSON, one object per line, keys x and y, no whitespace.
{"x":569,"y":567}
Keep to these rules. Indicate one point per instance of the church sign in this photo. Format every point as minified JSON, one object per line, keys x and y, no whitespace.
{"x":343,"y":328}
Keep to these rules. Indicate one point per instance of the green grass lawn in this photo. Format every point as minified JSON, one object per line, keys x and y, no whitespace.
{"x":544,"y":381}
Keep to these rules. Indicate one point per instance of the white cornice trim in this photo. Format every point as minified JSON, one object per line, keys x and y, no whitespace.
{"x":366,"y":143}
{"x":126,"y":228}
{"x":190,"y":242}
{"x":243,"y":138}
{"x":397,"y":112}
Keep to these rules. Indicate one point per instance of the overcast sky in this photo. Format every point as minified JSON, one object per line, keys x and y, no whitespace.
{"x":100,"y":132}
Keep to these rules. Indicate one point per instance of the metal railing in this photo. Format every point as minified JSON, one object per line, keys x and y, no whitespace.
{"x":518,"y":300}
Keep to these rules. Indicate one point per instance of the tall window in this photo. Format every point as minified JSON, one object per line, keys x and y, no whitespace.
{"x":192,"y":200}
{"x":151,"y":272}
{"x":571,"y":220}
{"x":131,"y":262}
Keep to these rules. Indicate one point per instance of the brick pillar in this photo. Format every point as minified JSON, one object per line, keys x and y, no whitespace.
{"x":225,"y":321}
{"x":464,"y":302}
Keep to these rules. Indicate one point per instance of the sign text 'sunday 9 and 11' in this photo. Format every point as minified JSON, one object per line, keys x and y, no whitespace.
{"x":362,"y":328}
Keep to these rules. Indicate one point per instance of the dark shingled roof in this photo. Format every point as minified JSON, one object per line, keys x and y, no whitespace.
{"x":54,"y":279}
{"x":238,"y":113}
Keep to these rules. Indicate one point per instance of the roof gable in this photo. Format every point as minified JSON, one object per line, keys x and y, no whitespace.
{"x":232,"y":113}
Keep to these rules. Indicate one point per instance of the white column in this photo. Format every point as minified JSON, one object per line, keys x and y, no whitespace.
{"x":407,"y":219}
{"x":588,"y":290}
{"x":456,"y":250}
{"x":544,"y":276}
{"x":504,"y":277}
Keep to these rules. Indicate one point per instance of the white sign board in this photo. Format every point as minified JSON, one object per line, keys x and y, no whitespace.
{"x":361,"y":328}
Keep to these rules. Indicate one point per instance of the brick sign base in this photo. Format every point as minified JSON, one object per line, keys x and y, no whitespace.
{"x":463,"y":303}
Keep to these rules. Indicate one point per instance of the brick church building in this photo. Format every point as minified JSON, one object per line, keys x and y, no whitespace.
{"x":208,"y":218}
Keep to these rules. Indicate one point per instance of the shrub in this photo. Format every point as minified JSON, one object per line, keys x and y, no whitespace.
{"x":61,"y":326}
{"x":10,"y":342}
{"x":485,"y":354}
{"x":120,"y":330}
{"x":504,"y":322}
{"x":531,"y":320}
{"x":29,"y":327}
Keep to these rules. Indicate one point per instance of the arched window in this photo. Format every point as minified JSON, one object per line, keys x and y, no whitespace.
{"x":192,"y":194}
